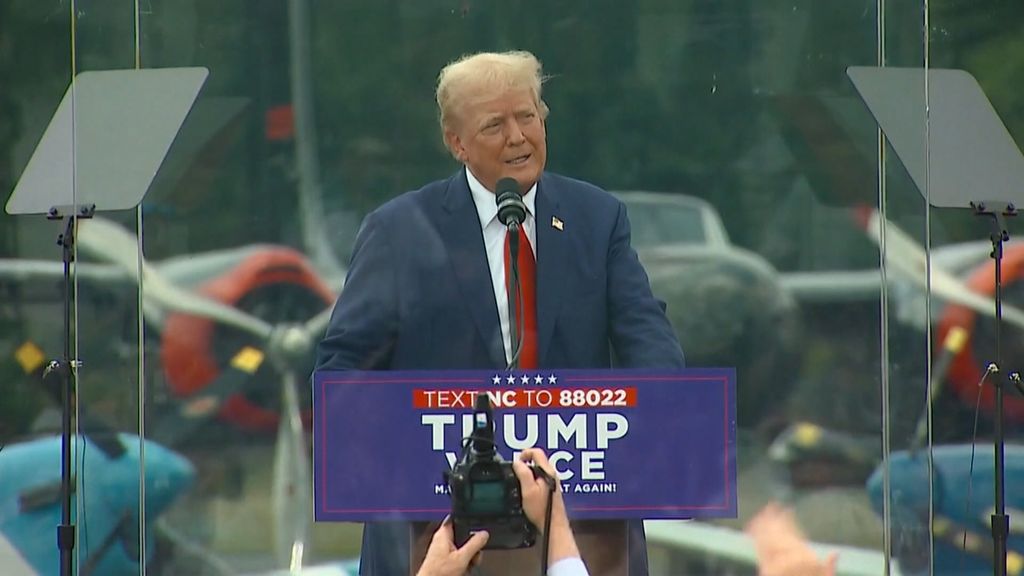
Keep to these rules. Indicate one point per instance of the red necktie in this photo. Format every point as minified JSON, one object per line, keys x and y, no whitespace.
{"x":526,"y":315}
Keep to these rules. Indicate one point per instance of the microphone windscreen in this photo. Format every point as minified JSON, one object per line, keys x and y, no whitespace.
{"x":510,"y":202}
{"x":506,"y":185}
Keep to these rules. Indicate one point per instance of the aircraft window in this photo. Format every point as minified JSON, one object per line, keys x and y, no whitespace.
{"x":658,"y":224}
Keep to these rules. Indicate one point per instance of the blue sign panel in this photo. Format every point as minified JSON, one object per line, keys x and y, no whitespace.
{"x":625,"y":443}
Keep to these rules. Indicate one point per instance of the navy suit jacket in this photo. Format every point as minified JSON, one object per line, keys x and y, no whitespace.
{"x":419,"y":296}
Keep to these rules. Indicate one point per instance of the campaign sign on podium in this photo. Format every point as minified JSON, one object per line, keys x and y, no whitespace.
{"x":626,"y":443}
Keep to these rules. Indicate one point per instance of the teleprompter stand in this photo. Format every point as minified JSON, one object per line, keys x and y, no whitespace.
{"x":960,"y":155}
{"x":101,"y":150}
{"x":997,"y":213}
{"x":67,"y":370}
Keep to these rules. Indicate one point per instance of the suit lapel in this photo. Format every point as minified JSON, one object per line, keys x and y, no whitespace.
{"x":552,"y":250}
{"x":464,"y":242}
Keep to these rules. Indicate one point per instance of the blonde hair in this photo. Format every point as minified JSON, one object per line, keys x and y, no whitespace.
{"x":487,"y":73}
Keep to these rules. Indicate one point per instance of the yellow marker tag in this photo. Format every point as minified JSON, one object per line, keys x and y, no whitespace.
{"x":248,"y":360}
{"x":940,"y":525}
{"x":29,"y":356}
{"x":956,"y":339}
{"x":1014,"y":563}
{"x":807,"y":434}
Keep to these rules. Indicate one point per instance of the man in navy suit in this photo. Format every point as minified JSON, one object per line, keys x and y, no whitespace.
{"x":426,"y":288}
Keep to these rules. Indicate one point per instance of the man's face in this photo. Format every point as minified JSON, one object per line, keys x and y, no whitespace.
{"x":500,"y":136}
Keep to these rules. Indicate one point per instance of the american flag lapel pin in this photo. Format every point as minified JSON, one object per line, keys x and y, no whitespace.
{"x":556,"y":223}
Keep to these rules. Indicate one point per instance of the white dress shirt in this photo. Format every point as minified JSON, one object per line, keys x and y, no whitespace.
{"x":494,"y":244}
{"x":568,"y":567}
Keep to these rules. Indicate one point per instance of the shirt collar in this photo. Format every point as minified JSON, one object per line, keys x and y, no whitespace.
{"x":486,"y":208}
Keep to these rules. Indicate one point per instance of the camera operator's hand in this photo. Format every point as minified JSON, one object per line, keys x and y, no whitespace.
{"x":445,"y":559}
{"x":535,"y":492}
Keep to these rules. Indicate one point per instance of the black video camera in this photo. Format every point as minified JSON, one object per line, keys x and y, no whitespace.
{"x":485,"y":490}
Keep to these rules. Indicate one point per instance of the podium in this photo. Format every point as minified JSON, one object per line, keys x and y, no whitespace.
{"x":627,"y":445}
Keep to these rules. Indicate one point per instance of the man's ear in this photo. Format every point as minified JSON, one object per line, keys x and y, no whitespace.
{"x":455,"y":145}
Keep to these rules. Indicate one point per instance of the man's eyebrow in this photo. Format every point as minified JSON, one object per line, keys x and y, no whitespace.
{"x":489,"y":118}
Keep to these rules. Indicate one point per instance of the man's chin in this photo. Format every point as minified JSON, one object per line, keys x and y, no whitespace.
{"x":527,"y":175}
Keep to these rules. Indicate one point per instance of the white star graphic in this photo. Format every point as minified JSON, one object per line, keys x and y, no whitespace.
{"x":552,"y":379}
{"x":511,"y":379}
{"x":538,"y":379}
{"x":496,"y":379}
{"x":526,"y":379}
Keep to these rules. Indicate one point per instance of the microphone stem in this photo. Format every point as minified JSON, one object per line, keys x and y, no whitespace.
{"x":513,"y":290}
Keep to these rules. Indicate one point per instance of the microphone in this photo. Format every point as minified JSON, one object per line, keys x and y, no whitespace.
{"x":511,"y":213}
{"x":511,"y":209}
